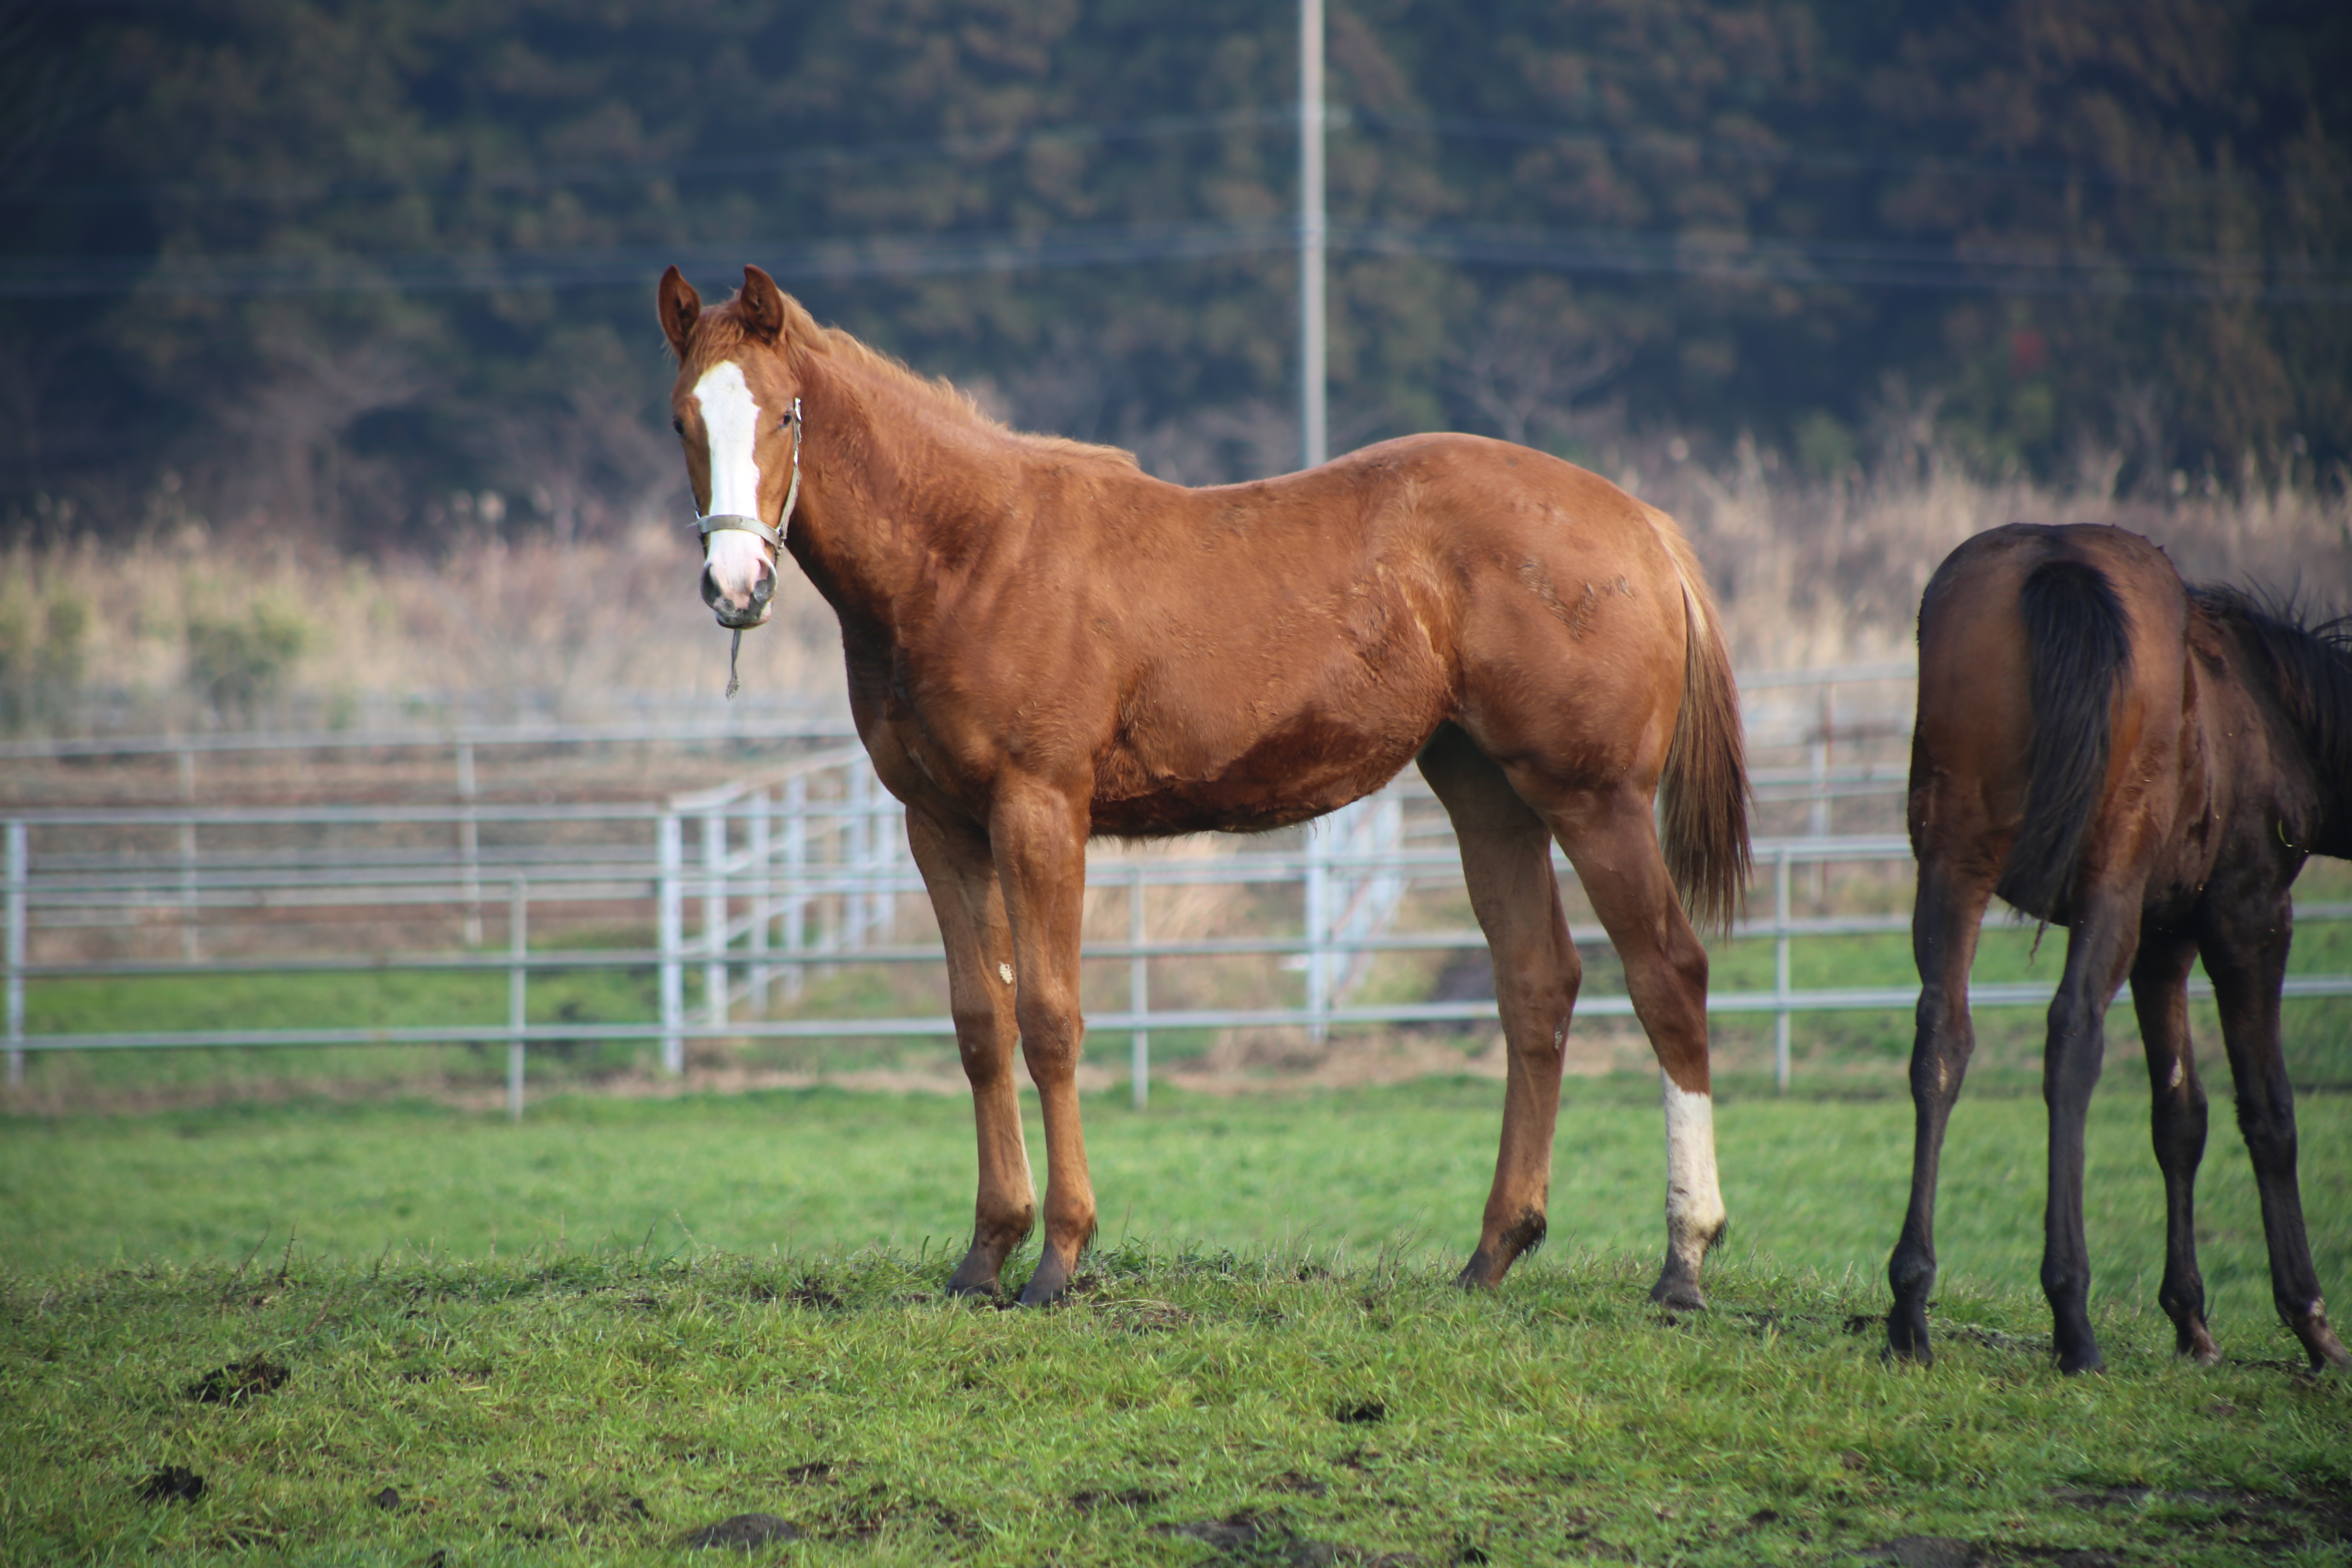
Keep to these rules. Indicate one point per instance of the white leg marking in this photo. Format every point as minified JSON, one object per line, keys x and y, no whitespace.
{"x":1695,"y":1213}
{"x":2177,"y":1074}
{"x":731,"y":416}
{"x":1006,"y":970}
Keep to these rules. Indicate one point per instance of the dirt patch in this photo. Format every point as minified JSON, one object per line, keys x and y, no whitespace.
{"x":815,"y":1295}
{"x":238,"y":1381}
{"x":172,"y":1483}
{"x":742,"y":1532}
{"x":1248,"y":1538}
{"x":1930,"y":1551}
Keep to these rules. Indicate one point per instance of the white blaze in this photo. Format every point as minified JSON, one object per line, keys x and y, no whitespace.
{"x":731,"y":417}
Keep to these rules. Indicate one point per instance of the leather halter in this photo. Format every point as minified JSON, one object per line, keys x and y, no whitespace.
{"x":773,"y":538}
{"x":737,"y":522}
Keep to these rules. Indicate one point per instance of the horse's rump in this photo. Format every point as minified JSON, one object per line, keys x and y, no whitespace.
{"x":2078,"y":650}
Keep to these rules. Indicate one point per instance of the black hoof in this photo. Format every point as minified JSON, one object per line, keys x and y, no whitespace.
{"x":1678,"y":1292}
{"x":1907,"y":1342}
{"x":1049,"y":1285}
{"x":2074,"y":1364}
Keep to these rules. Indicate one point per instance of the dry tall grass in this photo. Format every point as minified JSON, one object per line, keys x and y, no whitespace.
{"x":1810,"y":573}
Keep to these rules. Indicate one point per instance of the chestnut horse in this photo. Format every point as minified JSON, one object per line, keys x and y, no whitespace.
{"x":2148,"y":765}
{"x":1045,"y":643}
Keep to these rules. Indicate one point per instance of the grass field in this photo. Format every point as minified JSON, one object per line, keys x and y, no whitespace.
{"x":581,"y":1338}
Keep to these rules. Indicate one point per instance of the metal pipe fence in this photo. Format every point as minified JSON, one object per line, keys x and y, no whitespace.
{"x":756,"y":887}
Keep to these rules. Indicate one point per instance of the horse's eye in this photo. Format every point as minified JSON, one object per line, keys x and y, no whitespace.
{"x":677,"y":425}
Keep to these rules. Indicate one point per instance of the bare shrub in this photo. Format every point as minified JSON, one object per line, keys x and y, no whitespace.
{"x":1811,"y":570}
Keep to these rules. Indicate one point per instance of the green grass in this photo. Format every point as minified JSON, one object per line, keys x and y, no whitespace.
{"x":576,"y":1339}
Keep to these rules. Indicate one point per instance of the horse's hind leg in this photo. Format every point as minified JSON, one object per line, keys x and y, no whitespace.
{"x":961,"y":878}
{"x":2159,"y":982}
{"x":1945,"y":919}
{"x":1507,"y":861}
{"x":1612,"y":838}
{"x":2098,"y":951}
{"x":2245,"y":953}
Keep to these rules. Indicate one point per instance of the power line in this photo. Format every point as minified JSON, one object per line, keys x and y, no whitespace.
{"x":968,"y":146}
{"x":2007,"y":269}
{"x":1666,"y":146}
{"x":984,"y":145}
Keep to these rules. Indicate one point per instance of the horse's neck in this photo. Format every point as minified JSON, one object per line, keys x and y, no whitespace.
{"x":891,"y":481}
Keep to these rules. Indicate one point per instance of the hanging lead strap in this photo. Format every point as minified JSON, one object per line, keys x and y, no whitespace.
{"x":733,"y":685}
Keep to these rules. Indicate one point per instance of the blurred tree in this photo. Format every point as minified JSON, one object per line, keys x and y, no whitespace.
{"x":335,"y":263}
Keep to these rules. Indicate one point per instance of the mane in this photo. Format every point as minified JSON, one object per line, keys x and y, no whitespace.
{"x":935,"y":394}
{"x":2305,"y":664}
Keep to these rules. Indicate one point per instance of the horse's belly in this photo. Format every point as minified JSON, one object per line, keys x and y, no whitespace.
{"x":1307,"y":766}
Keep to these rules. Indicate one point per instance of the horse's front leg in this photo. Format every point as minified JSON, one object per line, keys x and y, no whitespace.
{"x":2177,"y":1117}
{"x":961,"y":878}
{"x":1039,"y":837}
{"x":1945,"y":919}
{"x":1507,"y":863}
{"x":2099,"y":950}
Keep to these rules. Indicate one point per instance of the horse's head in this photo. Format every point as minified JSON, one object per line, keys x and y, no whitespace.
{"x":736,"y":409}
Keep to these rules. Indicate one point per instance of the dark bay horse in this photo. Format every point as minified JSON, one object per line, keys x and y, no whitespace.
{"x":2149,"y":765}
{"x":1044,"y":643}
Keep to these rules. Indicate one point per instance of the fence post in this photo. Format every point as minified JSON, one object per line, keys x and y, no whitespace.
{"x":1316,"y":896}
{"x":518,"y":948}
{"x":469,"y":844}
{"x":669,"y":898}
{"x":762,"y":894}
{"x":16,"y":876}
{"x":1780,"y":966}
{"x":714,"y":914}
{"x":1820,"y":812}
{"x":831,"y":910}
{"x":866,"y":861}
{"x":1138,"y":992}
{"x":188,"y":909}
{"x":797,"y":841}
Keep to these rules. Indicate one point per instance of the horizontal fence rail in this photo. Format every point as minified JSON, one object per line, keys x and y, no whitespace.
{"x":752,"y":889}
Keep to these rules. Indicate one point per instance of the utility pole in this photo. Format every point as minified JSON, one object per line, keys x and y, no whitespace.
{"x":1314,"y":422}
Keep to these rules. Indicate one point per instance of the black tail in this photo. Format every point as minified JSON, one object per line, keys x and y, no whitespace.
{"x":2078,"y":645}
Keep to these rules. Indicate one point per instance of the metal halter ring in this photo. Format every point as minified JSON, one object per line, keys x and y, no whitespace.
{"x":774,"y":537}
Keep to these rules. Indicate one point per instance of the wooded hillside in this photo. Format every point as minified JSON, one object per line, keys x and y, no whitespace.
{"x":384,"y":271}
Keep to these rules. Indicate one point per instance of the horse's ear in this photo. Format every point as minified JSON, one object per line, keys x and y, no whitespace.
{"x":761,"y":306}
{"x":679,"y":308}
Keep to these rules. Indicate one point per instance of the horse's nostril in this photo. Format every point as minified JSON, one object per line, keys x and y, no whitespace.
{"x":764,"y":588}
{"x":710,"y":589}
